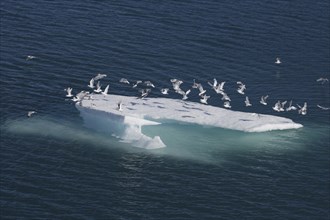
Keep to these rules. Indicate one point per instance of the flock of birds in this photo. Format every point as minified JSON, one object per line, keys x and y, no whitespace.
{"x":279,"y":106}
{"x":95,"y":86}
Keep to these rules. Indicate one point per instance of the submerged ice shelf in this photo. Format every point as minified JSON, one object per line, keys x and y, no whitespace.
{"x":101,"y":112}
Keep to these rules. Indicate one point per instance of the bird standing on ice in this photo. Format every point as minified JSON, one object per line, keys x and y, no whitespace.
{"x":120,"y":106}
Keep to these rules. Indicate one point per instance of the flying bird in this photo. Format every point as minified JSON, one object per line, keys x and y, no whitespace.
{"x":30,"y":57}
{"x":148,"y":83}
{"x":137,"y":83}
{"x":99,"y":76}
{"x":98,"y":87}
{"x":303,"y":110}
{"x":322,"y":80}
{"x":176,"y":84}
{"x":144,"y":92}
{"x":164,"y":91}
{"x":201,"y":90}
{"x":204,"y":99}
{"x":263,"y":100}
{"x":290,"y":107}
{"x":123,"y":80}
{"x":277,"y":106}
{"x":241,"y":88}
{"x":225,"y":97}
{"x":30,"y":113}
{"x":105,"y":92}
{"x":69,"y":92}
{"x":80,"y":96}
{"x":195,"y":85}
{"x":91,"y":83}
{"x":226,"y":104}
{"x":278,"y":61}
{"x":247,"y":102}
{"x":323,"y":108}
{"x":183,"y":93}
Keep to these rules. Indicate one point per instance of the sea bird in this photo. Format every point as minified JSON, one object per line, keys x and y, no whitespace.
{"x":278,"y":61}
{"x":69,"y":92}
{"x":80,"y":96}
{"x":120,"y":106}
{"x":241,"y":87}
{"x":30,"y":57}
{"x":148,"y":83}
{"x":201,"y":90}
{"x":263,"y":100}
{"x":176,"y":84}
{"x":98,"y":87}
{"x":290,"y":107}
{"x":204,"y":99}
{"x":247,"y":102}
{"x":214,"y":85}
{"x":99,"y":76}
{"x":219,"y":88}
{"x":183,"y":93}
{"x":323,"y":108}
{"x":322,"y":80}
{"x":195,"y":85}
{"x":144,"y":92}
{"x":137,"y":83}
{"x":30,"y":113}
{"x":91,"y":84}
{"x":225,"y":97}
{"x":226,"y":104}
{"x":164,"y":91}
{"x":105,"y":92}
{"x":123,"y":80}
{"x":303,"y":110}
{"x":277,"y":106}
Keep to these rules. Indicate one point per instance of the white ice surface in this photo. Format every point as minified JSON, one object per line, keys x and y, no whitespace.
{"x":153,"y":111}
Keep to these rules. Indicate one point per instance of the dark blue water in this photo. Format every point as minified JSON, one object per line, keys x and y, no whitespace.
{"x":52,"y":167}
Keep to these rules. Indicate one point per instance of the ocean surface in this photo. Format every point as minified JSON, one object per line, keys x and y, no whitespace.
{"x":54,"y":167}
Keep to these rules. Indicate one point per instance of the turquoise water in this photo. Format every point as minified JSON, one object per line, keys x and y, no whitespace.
{"x":52,"y":166}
